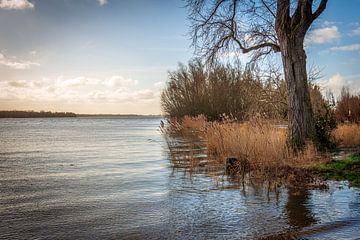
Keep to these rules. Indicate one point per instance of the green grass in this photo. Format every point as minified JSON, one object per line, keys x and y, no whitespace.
{"x":347,"y":169}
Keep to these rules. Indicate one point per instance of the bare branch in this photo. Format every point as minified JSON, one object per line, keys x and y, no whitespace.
{"x":273,"y":46}
{"x":252,"y":26}
{"x":320,"y":9}
{"x":213,"y":11}
{"x":296,"y":17}
{"x":268,"y":8}
{"x":312,"y":16}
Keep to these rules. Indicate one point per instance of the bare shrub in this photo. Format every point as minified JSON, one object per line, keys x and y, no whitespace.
{"x":348,"y":107}
{"x":221,"y":90}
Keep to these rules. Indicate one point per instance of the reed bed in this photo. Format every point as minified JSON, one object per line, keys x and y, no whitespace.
{"x":186,"y":144}
{"x":347,"y":135}
{"x":195,"y":123}
{"x":260,"y":149}
{"x":258,"y":146}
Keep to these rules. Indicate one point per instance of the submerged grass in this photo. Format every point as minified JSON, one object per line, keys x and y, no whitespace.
{"x":347,"y":169}
{"x":257,"y":148}
{"x":261,"y":151}
{"x":257,"y":151}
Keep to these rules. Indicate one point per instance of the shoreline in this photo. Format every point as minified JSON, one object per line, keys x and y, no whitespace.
{"x":49,"y":114}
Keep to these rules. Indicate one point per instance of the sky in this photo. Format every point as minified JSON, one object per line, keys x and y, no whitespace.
{"x":113,"y":56}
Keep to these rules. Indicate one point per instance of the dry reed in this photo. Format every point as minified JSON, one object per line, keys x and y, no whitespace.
{"x":347,"y":135}
{"x":195,"y":123}
{"x":258,"y":146}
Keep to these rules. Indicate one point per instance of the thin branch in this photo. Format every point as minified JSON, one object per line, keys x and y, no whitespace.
{"x":268,"y":8}
{"x":213,"y":12}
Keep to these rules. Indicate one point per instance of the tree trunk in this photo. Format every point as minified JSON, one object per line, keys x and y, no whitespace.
{"x":301,"y":126}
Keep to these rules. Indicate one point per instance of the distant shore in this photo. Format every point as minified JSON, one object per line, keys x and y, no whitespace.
{"x":34,"y":114}
{"x":117,"y":116}
{"x":49,"y":114}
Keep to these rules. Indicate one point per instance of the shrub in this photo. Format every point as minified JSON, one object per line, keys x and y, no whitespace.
{"x":324,"y":119}
{"x":324,"y":124}
{"x":195,"y":89}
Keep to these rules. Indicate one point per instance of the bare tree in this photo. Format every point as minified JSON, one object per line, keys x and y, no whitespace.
{"x":260,"y":27}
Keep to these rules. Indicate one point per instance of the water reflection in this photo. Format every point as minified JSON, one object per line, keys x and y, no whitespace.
{"x":262,"y":209}
{"x":112,"y":179}
{"x":297,"y":208}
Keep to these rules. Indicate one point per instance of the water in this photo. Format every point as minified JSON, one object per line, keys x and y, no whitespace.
{"x":93,"y":178}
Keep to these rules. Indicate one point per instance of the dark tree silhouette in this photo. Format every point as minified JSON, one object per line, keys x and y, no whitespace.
{"x":260,"y":27}
{"x":32,"y":114}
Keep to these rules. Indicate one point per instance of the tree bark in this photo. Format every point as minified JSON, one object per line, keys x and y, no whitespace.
{"x":300,"y":115}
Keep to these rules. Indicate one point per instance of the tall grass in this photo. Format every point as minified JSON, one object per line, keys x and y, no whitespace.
{"x":185,"y":142}
{"x":347,"y":135}
{"x":197,"y":123}
{"x":258,"y":146}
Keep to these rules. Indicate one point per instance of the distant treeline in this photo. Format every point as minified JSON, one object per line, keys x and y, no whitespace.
{"x":33,"y":114}
{"x":117,"y":116}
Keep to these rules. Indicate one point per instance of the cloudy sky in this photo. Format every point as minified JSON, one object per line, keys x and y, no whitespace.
{"x":112,"y":56}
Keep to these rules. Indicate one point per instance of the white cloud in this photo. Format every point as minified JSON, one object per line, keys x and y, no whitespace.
{"x":16,"y":4}
{"x":97,"y":95}
{"x":82,"y":89}
{"x":102,"y":2}
{"x":18,"y":84}
{"x":14,"y":64}
{"x":356,"y":31}
{"x":352,"y":47}
{"x":336,"y":82}
{"x":236,"y":55}
{"x":323,"y":35}
{"x":119,"y":81}
{"x":160,"y":84}
{"x":329,"y":23}
{"x":144,"y":94}
{"x":76,"y":82}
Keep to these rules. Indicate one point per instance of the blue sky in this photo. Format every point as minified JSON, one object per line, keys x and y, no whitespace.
{"x":97,"y":56}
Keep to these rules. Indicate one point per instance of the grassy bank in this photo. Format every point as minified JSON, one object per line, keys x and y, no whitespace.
{"x":347,"y":169}
{"x":257,"y":150}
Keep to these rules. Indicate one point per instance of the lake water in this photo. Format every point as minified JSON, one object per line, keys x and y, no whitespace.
{"x":111,"y":178}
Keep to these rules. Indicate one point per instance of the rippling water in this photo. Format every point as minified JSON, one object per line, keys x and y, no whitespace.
{"x":93,"y":178}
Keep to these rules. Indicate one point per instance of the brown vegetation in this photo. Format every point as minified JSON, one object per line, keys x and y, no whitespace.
{"x":276,"y":26}
{"x":227,"y":90}
{"x":347,"y":135}
{"x":255,"y":150}
{"x":259,"y":147}
{"x":348,"y":107}
{"x":223,"y":90}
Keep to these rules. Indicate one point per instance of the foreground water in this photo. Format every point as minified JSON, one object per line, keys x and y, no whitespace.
{"x":88,"y":178}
